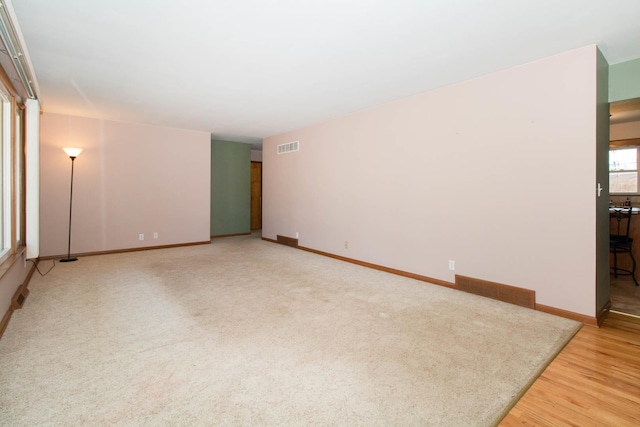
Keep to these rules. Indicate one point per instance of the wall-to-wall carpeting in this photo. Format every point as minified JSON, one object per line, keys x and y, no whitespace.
{"x":247,"y":332}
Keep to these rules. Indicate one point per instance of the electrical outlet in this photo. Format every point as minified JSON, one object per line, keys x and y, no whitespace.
{"x":452,"y":265}
{"x":297,"y":235}
{"x":140,"y":236}
{"x":155,"y":235}
{"x":346,"y":244}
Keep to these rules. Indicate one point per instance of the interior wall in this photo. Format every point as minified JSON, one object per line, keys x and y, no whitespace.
{"x":624,"y":80}
{"x":230,"y":188}
{"x":256,"y":155}
{"x":11,"y":281}
{"x":130,"y":179}
{"x":496,"y":173}
{"x":629,"y":130}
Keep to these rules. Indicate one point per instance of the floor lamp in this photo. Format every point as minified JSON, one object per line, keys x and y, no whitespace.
{"x":72,"y":153}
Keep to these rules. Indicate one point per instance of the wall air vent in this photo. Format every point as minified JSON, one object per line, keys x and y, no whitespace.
{"x":289,"y":147}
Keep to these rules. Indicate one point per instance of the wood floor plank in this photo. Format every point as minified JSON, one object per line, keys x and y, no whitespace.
{"x":594,"y":381}
{"x":590,"y":403}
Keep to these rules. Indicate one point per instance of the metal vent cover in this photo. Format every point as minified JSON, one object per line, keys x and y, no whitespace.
{"x":288,"y":147}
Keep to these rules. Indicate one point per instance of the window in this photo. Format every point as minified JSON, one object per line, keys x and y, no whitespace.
{"x":12,"y":174}
{"x":19,"y":177}
{"x":5,"y":173}
{"x":623,"y":170}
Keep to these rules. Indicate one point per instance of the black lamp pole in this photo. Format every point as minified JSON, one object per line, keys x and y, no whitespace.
{"x":68,"y":258}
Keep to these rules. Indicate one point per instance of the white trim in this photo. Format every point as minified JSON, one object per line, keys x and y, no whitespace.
{"x":7,"y":171}
{"x":32,"y":170}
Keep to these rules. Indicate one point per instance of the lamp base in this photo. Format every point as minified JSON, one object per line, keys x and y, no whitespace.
{"x":68,"y":259}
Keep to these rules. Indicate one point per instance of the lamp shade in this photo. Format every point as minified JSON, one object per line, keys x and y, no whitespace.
{"x":72,"y":152}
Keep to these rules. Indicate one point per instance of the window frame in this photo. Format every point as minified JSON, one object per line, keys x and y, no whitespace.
{"x":12,"y":174}
{"x":636,"y":171}
{"x":19,"y":178}
{"x":6,"y":214}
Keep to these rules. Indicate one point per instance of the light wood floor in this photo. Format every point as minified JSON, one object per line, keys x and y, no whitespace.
{"x":594,"y":381}
{"x":625,"y":295}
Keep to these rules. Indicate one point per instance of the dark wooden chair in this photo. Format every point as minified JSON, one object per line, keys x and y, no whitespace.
{"x":621,"y":242}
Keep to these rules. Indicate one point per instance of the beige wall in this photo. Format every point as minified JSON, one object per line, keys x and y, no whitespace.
{"x":130,"y":179}
{"x":256,"y":155}
{"x":11,"y":281}
{"x":496,"y":173}
{"x":629,"y":130}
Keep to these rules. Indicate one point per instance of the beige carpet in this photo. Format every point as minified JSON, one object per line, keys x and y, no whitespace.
{"x":246,"y":332}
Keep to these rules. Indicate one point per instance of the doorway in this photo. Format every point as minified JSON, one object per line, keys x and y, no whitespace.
{"x":256,"y":195}
{"x":624,"y":131}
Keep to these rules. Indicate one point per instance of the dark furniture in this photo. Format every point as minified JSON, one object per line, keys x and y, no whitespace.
{"x":620,"y":242}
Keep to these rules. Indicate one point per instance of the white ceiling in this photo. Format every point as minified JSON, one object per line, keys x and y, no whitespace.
{"x":247,"y":69}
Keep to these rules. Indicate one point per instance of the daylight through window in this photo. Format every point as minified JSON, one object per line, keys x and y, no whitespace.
{"x":623,"y":170}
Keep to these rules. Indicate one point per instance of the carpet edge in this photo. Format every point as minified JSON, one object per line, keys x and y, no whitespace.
{"x":537,"y":374}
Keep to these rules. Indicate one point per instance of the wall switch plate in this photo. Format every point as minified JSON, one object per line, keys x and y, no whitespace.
{"x":452,"y":265}
{"x":155,"y":235}
{"x":140,"y":236}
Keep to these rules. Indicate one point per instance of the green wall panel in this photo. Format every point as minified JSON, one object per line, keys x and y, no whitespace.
{"x":230,"y":188}
{"x":624,"y":80}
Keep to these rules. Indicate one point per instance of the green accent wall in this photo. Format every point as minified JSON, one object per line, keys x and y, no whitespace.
{"x":230,"y":188}
{"x":624,"y":80}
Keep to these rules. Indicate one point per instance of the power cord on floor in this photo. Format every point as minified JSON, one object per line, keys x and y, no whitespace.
{"x":46,"y":272}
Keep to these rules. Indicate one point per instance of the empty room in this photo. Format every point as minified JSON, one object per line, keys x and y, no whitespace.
{"x":319,"y":213}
